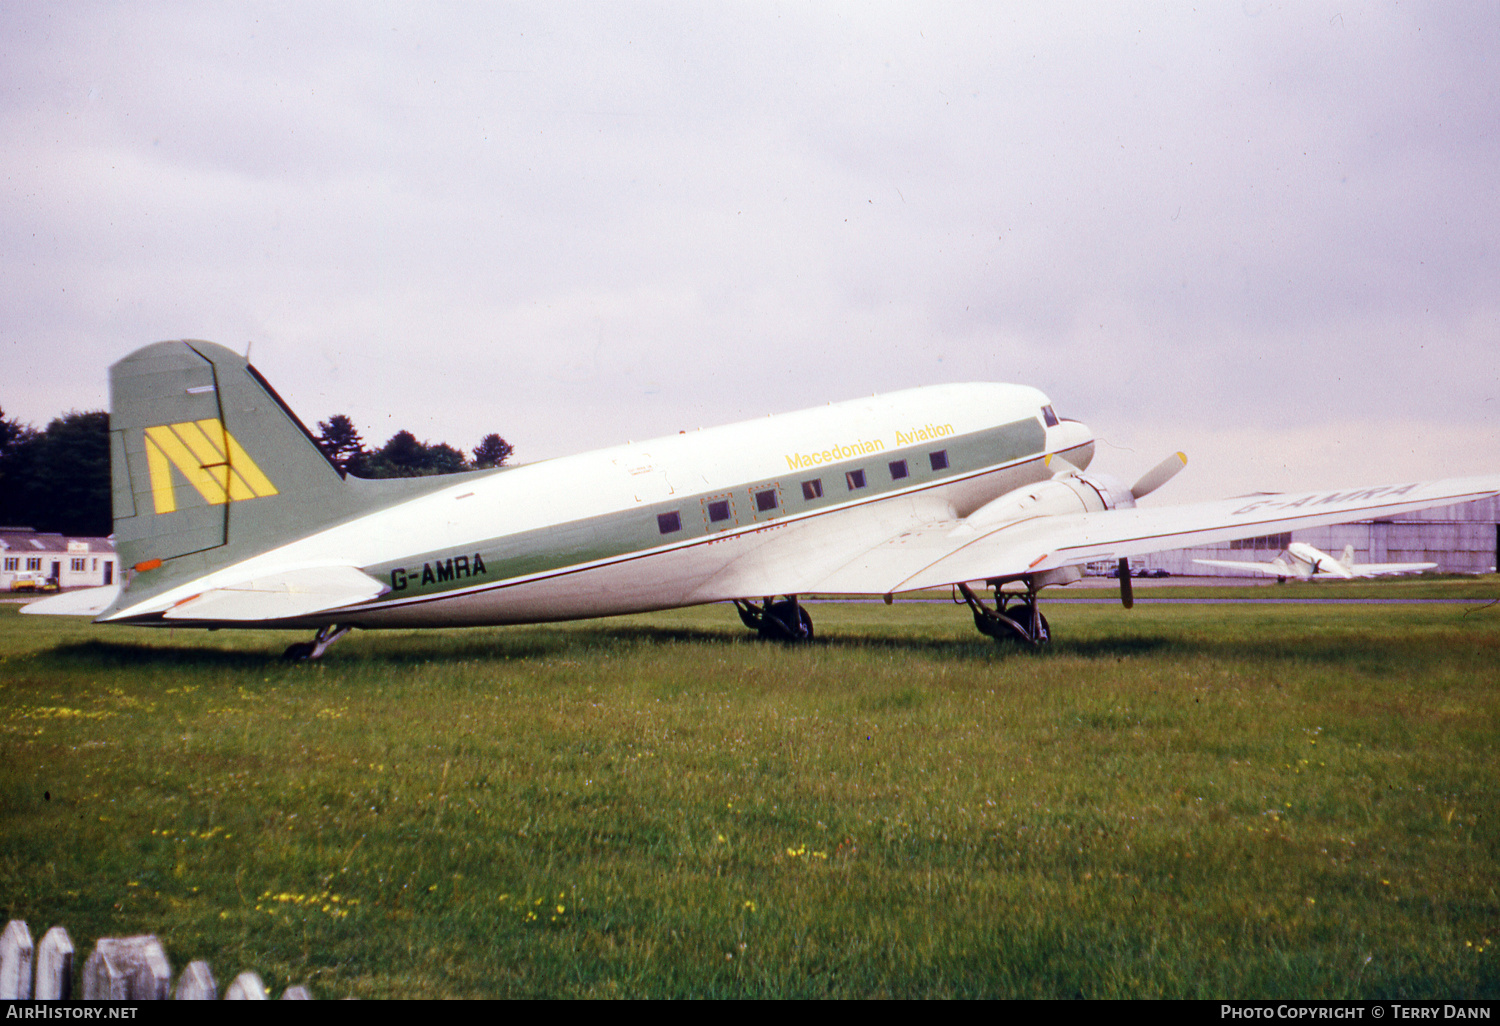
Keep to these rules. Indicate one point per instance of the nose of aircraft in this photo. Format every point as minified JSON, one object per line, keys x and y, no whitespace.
{"x":1073,"y":441}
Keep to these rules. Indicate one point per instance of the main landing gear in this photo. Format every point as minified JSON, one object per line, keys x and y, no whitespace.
{"x":303,"y":651}
{"x":776,"y":621}
{"x":1016,"y":618}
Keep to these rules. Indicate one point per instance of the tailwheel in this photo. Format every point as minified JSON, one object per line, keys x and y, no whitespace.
{"x":785,"y":620}
{"x":303,"y":651}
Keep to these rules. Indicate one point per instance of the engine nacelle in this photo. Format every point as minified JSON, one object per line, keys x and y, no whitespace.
{"x":1071,"y":493}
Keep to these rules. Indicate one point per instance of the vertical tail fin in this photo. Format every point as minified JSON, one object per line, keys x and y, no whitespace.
{"x":209,"y":466}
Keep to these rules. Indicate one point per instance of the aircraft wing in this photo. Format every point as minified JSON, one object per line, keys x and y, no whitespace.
{"x":1269,"y":569}
{"x":1379,"y":569}
{"x":940,"y":553}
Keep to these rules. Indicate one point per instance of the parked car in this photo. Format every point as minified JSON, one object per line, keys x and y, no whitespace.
{"x":32,"y":580}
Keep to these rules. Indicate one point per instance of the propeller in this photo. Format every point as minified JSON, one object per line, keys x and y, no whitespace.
{"x":1059,"y":466}
{"x":1149,"y":482}
{"x":1158,"y":475}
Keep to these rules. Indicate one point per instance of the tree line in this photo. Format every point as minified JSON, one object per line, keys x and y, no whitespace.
{"x":57,"y":478}
{"x":403,"y":455}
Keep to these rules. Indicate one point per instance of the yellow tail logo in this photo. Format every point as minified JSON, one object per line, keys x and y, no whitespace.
{"x":208,"y":456}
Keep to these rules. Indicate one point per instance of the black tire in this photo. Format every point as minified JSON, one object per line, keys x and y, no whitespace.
{"x":299,"y":652}
{"x":1018,"y":626}
{"x":777,"y":623}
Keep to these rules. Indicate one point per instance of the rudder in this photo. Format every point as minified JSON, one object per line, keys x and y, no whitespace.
{"x":208,"y":465}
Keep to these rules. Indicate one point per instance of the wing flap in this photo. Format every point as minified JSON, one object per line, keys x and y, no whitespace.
{"x":281,"y":596}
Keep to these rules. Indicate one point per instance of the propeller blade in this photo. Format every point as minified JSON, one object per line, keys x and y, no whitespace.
{"x":1159,"y":475}
{"x":1127,"y":589}
{"x":1059,"y":466}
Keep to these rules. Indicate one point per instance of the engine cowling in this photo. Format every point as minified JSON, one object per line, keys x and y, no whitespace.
{"x":1068,"y":493}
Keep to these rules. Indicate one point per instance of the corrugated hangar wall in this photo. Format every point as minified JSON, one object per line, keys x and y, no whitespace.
{"x":1459,"y":539}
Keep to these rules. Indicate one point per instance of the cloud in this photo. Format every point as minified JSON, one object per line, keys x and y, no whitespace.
{"x":576,"y":224}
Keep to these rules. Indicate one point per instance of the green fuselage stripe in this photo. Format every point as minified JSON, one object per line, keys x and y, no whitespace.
{"x":635,"y":532}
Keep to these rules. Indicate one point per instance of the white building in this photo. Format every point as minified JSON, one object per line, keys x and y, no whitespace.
{"x":71,"y":562}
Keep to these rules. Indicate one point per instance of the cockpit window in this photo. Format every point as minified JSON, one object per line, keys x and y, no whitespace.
{"x":1048,"y":417}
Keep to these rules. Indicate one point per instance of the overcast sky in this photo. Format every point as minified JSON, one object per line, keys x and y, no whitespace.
{"x":1263,"y":233}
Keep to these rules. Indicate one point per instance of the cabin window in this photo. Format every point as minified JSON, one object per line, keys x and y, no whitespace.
{"x":812,"y":489}
{"x":669,"y":522}
{"x":939,"y":459}
{"x":1049,"y":417}
{"x":718,"y":511}
{"x":898,"y":470}
{"x":855,"y":478}
{"x":765,"y":501}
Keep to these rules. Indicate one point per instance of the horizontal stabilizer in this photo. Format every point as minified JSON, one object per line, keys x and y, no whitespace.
{"x":87,"y":602}
{"x":281,"y":596}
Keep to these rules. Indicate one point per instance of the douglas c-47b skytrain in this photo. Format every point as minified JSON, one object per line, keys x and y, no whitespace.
{"x":227,"y":514}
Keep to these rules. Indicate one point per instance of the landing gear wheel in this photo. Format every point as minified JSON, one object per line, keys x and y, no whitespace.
{"x":786,"y":620}
{"x":302,"y":651}
{"x":1022,"y":613}
{"x":1014,"y":619}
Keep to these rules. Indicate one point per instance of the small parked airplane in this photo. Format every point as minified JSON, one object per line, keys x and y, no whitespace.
{"x":227,"y":514}
{"x":1304,"y":561}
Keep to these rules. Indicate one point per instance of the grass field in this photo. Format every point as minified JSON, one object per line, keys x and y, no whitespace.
{"x":1177,"y":801}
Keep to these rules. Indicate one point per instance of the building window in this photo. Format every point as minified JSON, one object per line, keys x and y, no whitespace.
{"x":1268,"y":541}
{"x":718,"y":511}
{"x":939,"y":459}
{"x":898,"y":470}
{"x":80,"y":565}
{"x":34,"y":563}
{"x":96,"y":565}
{"x":855,"y":478}
{"x":812,"y":489}
{"x":12,"y":563}
{"x":765,"y":501}
{"x":666,"y":523}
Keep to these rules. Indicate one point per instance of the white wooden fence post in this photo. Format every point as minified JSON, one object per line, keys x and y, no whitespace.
{"x":197,"y":983}
{"x":15,"y":961}
{"x":119,"y":969}
{"x":54,"y":966}
{"x":127,"y":969}
{"x":246,"y":987}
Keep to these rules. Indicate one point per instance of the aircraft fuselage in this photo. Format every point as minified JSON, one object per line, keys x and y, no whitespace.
{"x":680,"y":520}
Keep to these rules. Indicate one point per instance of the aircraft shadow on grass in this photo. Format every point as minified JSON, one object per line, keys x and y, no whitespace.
{"x":523,"y":644}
